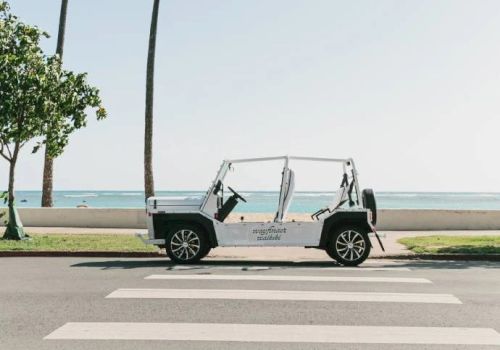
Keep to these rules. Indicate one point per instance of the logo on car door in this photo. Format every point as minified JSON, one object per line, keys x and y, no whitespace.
{"x":271,"y":233}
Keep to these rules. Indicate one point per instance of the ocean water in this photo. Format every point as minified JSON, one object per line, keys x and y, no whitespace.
{"x":259,"y":202}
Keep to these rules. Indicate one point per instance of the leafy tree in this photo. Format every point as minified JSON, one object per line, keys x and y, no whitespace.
{"x":48,"y":165}
{"x":39,"y":101}
{"x":148,"y":129}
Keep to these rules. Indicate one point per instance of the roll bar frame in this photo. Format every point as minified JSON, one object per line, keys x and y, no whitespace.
{"x":226,"y":164}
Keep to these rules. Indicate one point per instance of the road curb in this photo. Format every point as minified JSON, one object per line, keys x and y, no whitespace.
{"x":102,"y":254}
{"x":105,"y":254}
{"x":461,"y":257}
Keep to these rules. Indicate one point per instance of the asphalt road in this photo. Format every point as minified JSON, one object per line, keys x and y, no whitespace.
{"x":69,"y":303}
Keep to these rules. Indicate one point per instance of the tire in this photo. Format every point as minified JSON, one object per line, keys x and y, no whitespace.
{"x":206,"y":252}
{"x":186,"y":244}
{"x":349,"y":245}
{"x":369,"y":202}
{"x":329,"y":252}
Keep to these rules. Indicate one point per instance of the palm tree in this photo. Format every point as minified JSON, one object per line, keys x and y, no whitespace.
{"x":47,"y":200}
{"x":148,"y":130}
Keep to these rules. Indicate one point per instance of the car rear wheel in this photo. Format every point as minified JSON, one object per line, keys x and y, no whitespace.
{"x":349,"y":246}
{"x":186,"y":244}
{"x":206,"y":252}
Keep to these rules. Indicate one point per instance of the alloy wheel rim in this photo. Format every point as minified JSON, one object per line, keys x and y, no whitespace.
{"x":350,"y":245}
{"x":185,"y":244}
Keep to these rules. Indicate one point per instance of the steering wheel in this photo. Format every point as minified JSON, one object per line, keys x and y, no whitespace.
{"x":236,"y":194}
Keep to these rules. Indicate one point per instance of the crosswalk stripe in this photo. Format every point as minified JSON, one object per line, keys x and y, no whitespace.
{"x":259,"y":268}
{"x":289,"y":278}
{"x":157,"y":293}
{"x":360,"y":268}
{"x":275,"y":333}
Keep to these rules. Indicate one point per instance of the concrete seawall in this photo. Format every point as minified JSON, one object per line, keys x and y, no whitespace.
{"x":433,"y":219}
{"x":83,"y":217}
{"x":389,"y":219}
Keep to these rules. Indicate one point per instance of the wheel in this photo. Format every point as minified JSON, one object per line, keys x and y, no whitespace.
{"x":349,"y":245}
{"x":205,"y":253}
{"x":186,"y":244}
{"x":369,"y":203}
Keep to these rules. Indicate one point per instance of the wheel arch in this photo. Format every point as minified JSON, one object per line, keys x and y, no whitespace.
{"x":343,"y":218}
{"x":162,"y":223}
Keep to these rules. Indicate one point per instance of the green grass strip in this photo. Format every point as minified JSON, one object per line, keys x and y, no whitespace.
{"x":453,"y":244}
{"x":78,"y":243}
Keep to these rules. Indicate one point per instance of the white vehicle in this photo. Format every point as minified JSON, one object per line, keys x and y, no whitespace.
{"x":189,"y":228}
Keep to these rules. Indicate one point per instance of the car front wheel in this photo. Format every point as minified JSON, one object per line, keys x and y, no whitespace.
{"x":186,"y":244}
{"x":349,"y":246}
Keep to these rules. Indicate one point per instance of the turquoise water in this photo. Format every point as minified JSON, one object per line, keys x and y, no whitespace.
{"x":258,"y":202}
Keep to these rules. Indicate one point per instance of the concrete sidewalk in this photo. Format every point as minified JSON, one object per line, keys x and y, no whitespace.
{"x":389,"y":239}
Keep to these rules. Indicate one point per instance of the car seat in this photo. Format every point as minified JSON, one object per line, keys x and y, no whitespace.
{"x":286,"y":194}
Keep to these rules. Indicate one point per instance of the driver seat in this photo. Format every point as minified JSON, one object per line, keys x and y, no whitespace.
{"x":286,"y":194}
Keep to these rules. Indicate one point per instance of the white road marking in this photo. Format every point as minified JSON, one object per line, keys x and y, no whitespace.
{"x":289,"y":278}
{"x":261,"y":268}
{"x":283,"y":295}
{"x":256,"y":268}
{"x":215,"y":267}
{"x":275,"y":333}
{"x":342,"y":268}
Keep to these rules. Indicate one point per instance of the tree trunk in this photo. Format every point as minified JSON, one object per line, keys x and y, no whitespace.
{"x":48,"y":166}
{"x":62,"y":28}
{"x":12,"y":169}
{"x":148,"y":130}
{"x":14,"y":230}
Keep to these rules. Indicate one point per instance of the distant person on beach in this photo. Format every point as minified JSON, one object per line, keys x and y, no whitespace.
{"x":82,"y":205}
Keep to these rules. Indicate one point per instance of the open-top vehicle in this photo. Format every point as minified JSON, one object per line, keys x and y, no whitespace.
{"x":189,"y":228}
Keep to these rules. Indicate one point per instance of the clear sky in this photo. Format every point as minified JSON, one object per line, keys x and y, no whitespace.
{"x":409,"y":89}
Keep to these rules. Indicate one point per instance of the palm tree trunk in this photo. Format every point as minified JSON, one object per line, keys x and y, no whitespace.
{"x":148,"y":130}
{"x":62,"y":28}
{"x":48,"y":166}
